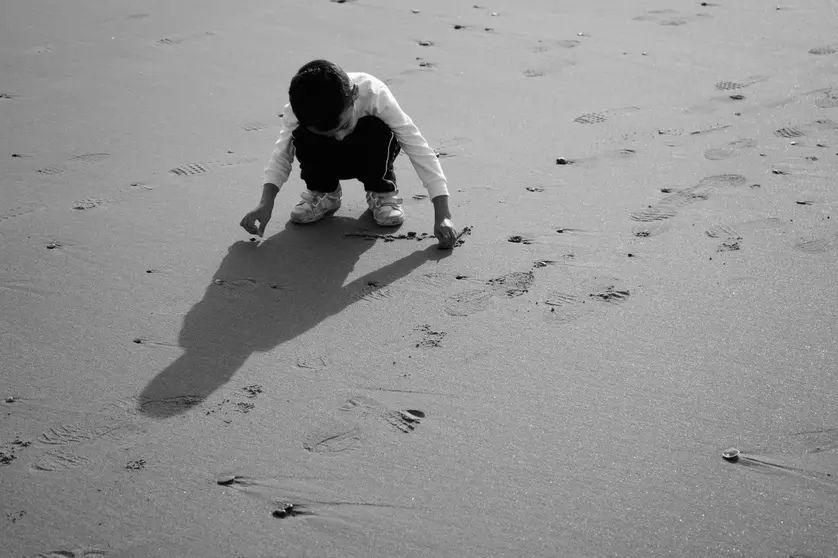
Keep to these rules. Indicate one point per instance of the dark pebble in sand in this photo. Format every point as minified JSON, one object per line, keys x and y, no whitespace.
{"x":225,"y":480}
{"x":562,"y":161}
{"x":631,"y":255}
{"x":737,"y":97}
{"x":252,"y":239}
{"x":10,"y":400}
{"x":52,"y":246}
{"x":460,"y":277}
{"x":458,"y":26}
{"x":139,"y":341}
{"x":560,"y":231}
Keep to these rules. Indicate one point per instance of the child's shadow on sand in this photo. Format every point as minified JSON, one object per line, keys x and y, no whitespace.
{"x":263,"y":295}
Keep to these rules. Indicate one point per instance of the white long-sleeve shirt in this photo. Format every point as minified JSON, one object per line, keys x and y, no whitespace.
{"x":374,"y":99}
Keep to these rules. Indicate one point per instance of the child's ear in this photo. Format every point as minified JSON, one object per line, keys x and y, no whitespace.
{"x":355,"y":93}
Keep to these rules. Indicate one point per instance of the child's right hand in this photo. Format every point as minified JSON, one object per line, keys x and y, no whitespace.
{"x":262,"y":214}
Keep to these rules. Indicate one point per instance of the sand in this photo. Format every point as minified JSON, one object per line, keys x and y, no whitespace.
{"x":562,"y":384}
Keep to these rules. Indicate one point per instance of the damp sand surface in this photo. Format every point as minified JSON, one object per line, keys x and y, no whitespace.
{"x":646,"y":282}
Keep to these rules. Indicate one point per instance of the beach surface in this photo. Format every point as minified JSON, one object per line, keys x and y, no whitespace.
{"x":649,"y":280}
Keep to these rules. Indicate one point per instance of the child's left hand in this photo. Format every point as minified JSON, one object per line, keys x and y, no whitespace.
{"x":446,"y":233}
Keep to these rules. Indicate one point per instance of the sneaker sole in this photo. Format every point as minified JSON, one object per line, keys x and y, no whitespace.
{"x":299,"y":221}
{"x":395,"y":223}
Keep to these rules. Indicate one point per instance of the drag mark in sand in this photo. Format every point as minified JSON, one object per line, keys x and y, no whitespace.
{"x":90,"y":157}
{"x":820,"y":440}
{"x":84,"y":552}
{"x":769,"y":467}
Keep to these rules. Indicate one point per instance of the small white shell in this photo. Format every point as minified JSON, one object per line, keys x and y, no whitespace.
{"x":730,"y":454}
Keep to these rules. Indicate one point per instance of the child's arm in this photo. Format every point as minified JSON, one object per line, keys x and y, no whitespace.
{"x":411,"y":141}
{"x":279,"y":165}
{"x":276,"y":174}
{"x":424,"y":161}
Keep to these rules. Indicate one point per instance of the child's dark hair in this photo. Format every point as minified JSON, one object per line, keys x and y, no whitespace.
{"x":319,"y":94}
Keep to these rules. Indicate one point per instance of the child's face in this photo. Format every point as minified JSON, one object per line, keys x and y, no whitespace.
{"x":348,"y":121}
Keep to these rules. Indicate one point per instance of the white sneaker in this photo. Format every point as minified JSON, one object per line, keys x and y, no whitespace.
{"x":386,"y":208}
{"x":315,"y":205}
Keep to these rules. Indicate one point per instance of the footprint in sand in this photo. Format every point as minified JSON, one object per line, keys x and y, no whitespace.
{"x":311,"y":361}
{"x":354,"y":418}
{"x":611,"y":156}
{"x":729,"y":150}
{"x":430,"y":338}
{"x":473,"y":301}
{"x":68,"y":446}
{"x":602,"y":116}
{"x":194,"y":169}
{"x":732,"y":235}
{"x":668,"y":206}
{"x":666,"y":17}
{"x":581,"y":295}
{"x":828,"y":99}
{"x":816,"y":245}
{"x":374,"y":291}
{"x":19,"y":210}
{"x":90,"y":203}
{"x":740,"y":83}
{"x":823,"y":50}
{"x":548,"y":45}
{"x":180,"y":39}
{"x":794,"y":131}
{"x":650,"y":228}
{"x":253,"y":126}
